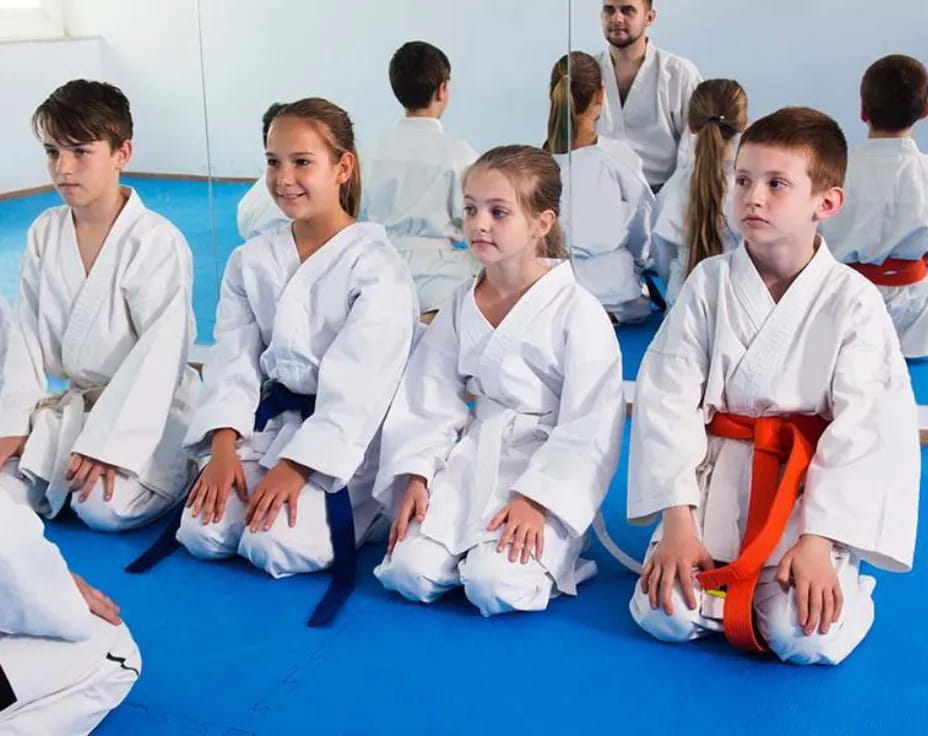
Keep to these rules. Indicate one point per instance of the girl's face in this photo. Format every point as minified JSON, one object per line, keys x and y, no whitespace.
{"x":85,"y":172}
{"x":496,"y":226}
{"x":301,"y":175}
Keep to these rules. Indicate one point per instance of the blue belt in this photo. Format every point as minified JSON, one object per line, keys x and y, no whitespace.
{"x":275,"y":400}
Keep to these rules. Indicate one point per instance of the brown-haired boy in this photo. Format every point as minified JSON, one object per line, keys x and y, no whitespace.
{"x":883,"y":229}
{"x":413,"y":181}
{"x":775,"y":359}
{"x":104,"y":302}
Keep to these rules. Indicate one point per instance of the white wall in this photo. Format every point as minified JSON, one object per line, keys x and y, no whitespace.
{"x":786,"y":52}
{"x":501,"y":54}
{"x":28,"y":72}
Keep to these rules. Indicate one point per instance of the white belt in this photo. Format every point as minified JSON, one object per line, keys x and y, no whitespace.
{"x":494,"y":423}
{"x":70,"y":405}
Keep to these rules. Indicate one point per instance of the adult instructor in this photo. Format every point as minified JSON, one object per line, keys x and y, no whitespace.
{"x":647,"y":90}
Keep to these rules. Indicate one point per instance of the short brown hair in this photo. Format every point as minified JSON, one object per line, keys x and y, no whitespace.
{"x":337,"y":130}
{"x":894,"y":92}
{"x":810,"y":131}
{"x":536,"y":177}
{"x":82,"y":111}
{"x":417,"y":70}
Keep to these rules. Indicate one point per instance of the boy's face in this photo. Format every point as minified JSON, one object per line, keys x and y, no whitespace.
{"x":496,"y":226}
{"x":301,"y":176}
{"x":773,"y":198}
{"x":85,"y":172}
{"x":625,"y":21}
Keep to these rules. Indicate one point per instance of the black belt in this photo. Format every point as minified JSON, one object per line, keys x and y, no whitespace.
{"x":7,"y":696}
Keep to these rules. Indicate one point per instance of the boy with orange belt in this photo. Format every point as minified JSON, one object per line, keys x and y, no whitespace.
{"x":775,"y":429}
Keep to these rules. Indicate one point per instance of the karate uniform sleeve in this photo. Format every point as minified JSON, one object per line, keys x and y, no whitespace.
{"x":232,"y":374}
{"x":668,"y":437}
{"x":127,"y":422}
{"x":686,"y":151}
{"x":639,"y":195}
{"x":570,"y":473}
{"x":360,"y":371}
{"x":40,"y":598}
{"x":863,"y":483}
{"x":429,"y":411}
{"x":22,"y":382}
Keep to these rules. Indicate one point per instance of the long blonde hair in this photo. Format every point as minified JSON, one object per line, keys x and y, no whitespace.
{"x":536,"y":177}
{"x":335,"y":127}
{"x":718,"y":112}
{"x":571,"y":95}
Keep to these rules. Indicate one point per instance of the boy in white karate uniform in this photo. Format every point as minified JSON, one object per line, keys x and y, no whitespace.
{"x":413,"y":181}
{"x":257,"y":211}
{"x":647,"y":90}
{"x":66,"y":658}
{"x":883,"y":229}
{"x":606,"y":202}
{"x":775,"y":357}
{"x":498,"y":500}
{"x":104,"y":302}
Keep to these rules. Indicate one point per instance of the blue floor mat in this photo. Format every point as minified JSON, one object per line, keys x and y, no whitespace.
{"x":226,"y":651}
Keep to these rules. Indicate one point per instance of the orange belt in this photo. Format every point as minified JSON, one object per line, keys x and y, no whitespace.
{"x":894,"y":271}
{"x":786,"y":442}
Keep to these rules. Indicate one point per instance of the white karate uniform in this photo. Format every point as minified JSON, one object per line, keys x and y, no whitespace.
{"x":547,"y":424}
{"x":886,"y":216}
{"x":258,"y":213}
{"x":653,"y":118}
{"x":338,"y":326}
{"x":67,"y":668}
{"x":606,"y":206}
{"x":828,"y":349}
{"x":120,"y":336}
{"x":669,"y":249}
{"x":413,"y":186}
{"x":6,"y":324}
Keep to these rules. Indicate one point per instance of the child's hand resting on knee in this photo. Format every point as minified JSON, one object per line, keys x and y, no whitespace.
{"x":221,"y":474}
{"x":679,"y":551}
{"x":83,"y":473}
{"x":282,"y":484}
{"x":412,"y":508}
{"x":525,"y":528}
{"x":808,"y":567}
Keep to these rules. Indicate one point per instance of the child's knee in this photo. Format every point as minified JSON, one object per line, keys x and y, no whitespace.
{"x":418,"y":569}
{"x":496,"y":585}
{"x":682,"y":625}
{"x":207,"y":541}
{"x":283,"y":550}
{"x":99,"y":515}
{"x":778,"y":624}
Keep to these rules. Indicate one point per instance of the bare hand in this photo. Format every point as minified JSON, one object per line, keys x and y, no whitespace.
{"x":99,"y":604}
{"x":524,"y":530}
{"x":83,"y":473}
{"x":11,"y":447}
{"x":282,"y":485}
{"x":211,"y":489}
{"x":676,"y":555}
{"x":808,"y":567}
{"x":413,"y":507}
